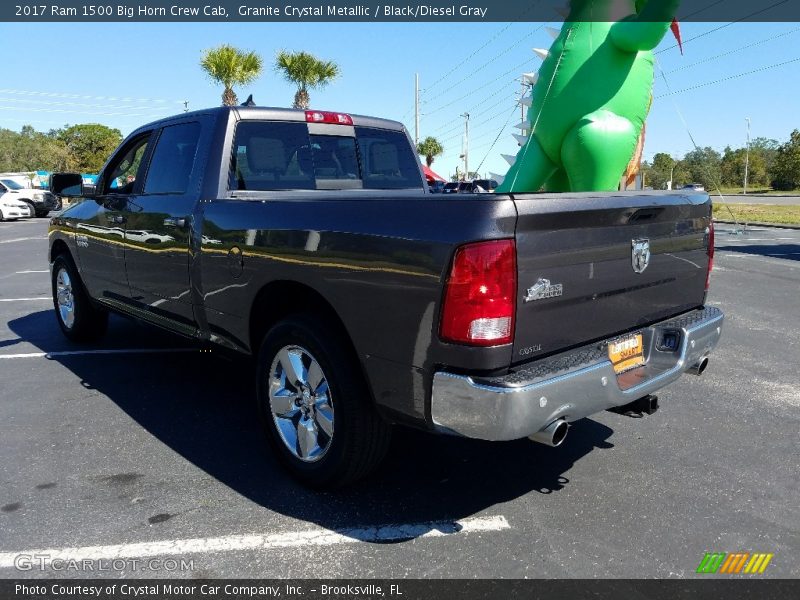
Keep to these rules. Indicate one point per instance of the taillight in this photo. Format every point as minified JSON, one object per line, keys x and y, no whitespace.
{"x":480,"y":295}
{"x":318,"y":116}
{"x":710,"y":253}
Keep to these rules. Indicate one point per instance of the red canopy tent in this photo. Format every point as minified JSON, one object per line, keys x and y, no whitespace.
{"x":430,"y":175}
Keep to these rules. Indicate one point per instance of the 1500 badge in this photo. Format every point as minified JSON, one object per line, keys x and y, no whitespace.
{"x":544,"y":289}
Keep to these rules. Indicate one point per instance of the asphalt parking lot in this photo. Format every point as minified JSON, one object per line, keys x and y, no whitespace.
{"x":144,"y":447}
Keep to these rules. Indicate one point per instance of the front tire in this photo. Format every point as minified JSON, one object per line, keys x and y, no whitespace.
{"x":78,"y":319}
{"x":314,"y":405}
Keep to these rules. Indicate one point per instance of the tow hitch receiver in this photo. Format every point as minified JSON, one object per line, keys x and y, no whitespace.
{"x":647,"y":405}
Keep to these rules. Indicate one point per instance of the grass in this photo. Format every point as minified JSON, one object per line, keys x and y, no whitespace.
{"x":758,"y":213}
{"x":758,"y":191}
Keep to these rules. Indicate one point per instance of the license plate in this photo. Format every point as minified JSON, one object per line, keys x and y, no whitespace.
{"x":627,"y":353}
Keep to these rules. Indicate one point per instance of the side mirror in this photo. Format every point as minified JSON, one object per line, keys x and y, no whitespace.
{"x":70,"y":184}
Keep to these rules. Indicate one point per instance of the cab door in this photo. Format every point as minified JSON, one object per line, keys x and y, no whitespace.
{"x":100,"y":224}
{"x":158,"y":228}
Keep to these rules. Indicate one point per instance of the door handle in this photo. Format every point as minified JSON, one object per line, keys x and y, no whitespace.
{"x":117,"y":219}
{"x":178,"y":222}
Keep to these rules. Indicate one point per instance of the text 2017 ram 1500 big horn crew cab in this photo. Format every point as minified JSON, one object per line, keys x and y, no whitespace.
{"x":309,"y":240}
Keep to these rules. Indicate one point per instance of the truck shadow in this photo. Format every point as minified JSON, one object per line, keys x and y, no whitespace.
{"x":786,"y":251}
{"x":202,"y":407}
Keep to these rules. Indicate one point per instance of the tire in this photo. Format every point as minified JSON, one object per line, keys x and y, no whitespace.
{"x":298,"y":406}
{"x":32,"y":209}
{"x":42,"y":213}
{"x":79,"y":320}
{"x":2,"y":216}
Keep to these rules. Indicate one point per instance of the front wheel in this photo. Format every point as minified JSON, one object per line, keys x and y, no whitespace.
{"x":78,"y":319}
{"x":314,"y":405}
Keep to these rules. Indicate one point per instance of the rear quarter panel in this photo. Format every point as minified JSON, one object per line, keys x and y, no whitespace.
{"x":379,"y":259}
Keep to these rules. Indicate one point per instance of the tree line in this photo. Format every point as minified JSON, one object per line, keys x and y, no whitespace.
{"x":769,"y":164}
{"x":77,"y":148}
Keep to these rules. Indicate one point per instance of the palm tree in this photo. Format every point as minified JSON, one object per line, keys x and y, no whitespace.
{"x":307,"y":72}
{"x":430,"y":148}
{"x":230,"y":66}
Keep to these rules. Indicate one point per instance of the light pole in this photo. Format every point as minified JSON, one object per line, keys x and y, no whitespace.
{"x":466,"y":145}
{"x":747,"y":157}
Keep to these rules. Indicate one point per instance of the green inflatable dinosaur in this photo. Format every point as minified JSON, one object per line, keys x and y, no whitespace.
{"x":592,"y":97}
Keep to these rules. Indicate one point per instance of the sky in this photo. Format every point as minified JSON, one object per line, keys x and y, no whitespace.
{"x":126,"y":74}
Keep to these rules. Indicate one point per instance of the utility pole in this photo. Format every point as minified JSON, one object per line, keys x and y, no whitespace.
{"x":526,"y":88}
{"x":185,"y":106}
{"x":466,"y":145}
{"x":416,"y":110}
{"x":747,"y":157}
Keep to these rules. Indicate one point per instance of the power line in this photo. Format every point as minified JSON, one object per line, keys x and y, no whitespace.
{"x":497,"y":92}
{"x":479,"y":125}
{"x":487,"y":121}
{"x":81,"y":112}
{"x":721,"y":27}
{"x":472,"y":73}
{"x":476,"y":90}
{"x":729,"y":78}
{"x":724,"y":54}
{"x":494,"y":143}
{"x":80,"y":104}
{"x":83,"y":97}
{"x":486,"y":44}
{"x":702,"y":10}
{"x":470,"y":57}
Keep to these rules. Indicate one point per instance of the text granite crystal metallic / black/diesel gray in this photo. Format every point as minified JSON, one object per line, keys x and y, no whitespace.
{"x":308,"y":240}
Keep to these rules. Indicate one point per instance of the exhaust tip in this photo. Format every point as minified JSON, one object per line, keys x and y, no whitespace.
{"x":560,"y":433}
{"x":553,"y":435}
{"x":700,"y":367}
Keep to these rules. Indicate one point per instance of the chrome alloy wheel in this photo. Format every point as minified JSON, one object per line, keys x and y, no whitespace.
{"x":301,"y":404}
{"x":65,"y":298}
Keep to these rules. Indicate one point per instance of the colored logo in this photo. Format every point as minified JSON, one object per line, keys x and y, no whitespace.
{"x":735,"y":563}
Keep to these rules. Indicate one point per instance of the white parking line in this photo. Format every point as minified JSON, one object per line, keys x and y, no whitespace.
{"x":26,"y":272}
{"x":25,"y":239}
{"x":25,"y":299}
{"x":312,"y":537}
{"x":85,"y":352}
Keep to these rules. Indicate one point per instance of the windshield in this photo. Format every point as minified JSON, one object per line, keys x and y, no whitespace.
{"x":11,"y":184}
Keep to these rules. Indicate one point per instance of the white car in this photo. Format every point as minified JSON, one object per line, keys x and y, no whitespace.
{"x":12,"y":209}
{"x":41,"y":201}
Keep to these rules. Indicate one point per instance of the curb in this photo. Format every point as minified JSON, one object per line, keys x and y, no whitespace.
{"x":776,"y":225}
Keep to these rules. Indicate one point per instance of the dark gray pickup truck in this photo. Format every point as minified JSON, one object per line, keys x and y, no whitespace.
{"x":309,"y":240}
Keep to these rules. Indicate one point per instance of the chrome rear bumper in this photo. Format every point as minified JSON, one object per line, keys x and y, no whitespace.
{"x":514,"y":407}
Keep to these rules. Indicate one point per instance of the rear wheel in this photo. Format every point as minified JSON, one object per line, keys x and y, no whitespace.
{"x":31,"y":209}
{"x":314,"y":405}
{"x":78,"y":319}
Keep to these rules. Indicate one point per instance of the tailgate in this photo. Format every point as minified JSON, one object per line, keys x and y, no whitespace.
{"x":589,"y":248}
